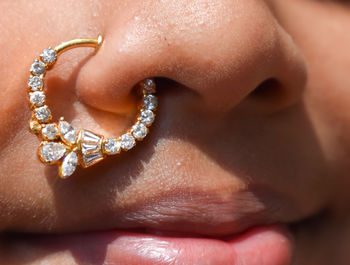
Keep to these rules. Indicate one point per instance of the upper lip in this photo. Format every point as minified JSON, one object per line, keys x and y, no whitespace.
{"x":186,"y":211}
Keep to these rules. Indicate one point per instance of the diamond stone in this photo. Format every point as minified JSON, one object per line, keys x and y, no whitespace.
{"x":87,"y":148}
{"x":139,"y":131}
{"x":69,"y":165}
{"x":37,"y":68}
{"x":35,"y":83}
{"x":37,"y":98}
{"x":48,"y":56}
{"x":112,"y":146}
{"x":148,"y":85}
{"x":50,"y":131}
{"x":90,"y":159}
{"x":52,"y":152}
{"x":87,"y":136}
{"x":150,"y":102}
{"x":127,"y":141}
{"x":68,"y":134}
{"x":147,"y":117}
{"x":43,"y":114}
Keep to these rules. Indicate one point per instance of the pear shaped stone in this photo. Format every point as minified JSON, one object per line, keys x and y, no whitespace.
{"x":52,"y":152}
{"x":69,"y":165}
{"x":67,"y":132}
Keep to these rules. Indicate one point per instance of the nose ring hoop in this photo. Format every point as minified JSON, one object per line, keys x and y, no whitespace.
{"x":60,"y":143}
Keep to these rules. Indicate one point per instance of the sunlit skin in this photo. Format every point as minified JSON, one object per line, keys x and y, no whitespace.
{"x":252,"y":129}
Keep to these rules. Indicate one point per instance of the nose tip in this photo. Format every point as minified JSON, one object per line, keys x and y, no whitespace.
{"x":223,"y":54}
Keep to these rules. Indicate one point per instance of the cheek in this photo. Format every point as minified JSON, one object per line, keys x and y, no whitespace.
{"x":324,"y":39}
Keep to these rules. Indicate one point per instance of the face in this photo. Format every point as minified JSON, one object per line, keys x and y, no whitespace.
{"x":248,"y":154}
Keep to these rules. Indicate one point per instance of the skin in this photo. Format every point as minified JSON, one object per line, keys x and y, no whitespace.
{"x":253,"y":125}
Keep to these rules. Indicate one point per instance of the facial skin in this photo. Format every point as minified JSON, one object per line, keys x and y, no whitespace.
{"x":252,"y":129}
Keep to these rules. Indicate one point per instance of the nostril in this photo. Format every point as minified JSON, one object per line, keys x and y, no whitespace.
{"x":268,"y":89}
{"x":269,"y":95}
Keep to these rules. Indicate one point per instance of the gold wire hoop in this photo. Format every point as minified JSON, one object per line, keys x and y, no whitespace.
{"x":60,"y":143}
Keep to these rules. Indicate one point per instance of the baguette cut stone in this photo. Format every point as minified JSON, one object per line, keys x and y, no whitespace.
{"x":139,"y":131}
{"x":37,"y":68}
{"x":52,"y":152}
{"x":150,"y":102}
{"x":69,"y":165}
{"x":147,"y":117}
{"x":112,"y":146}
{"x":89,"y":148}
{"x":67,"y":132}
{"x":127,"y":141}
{"x":37,"y":98}
{"x":93,"y":158}
{"x":87,"y":136}
{"x":48,"y":56}
{"x":50,"y":131}
{"x":43,"y":113}
{"x":35,"y":83}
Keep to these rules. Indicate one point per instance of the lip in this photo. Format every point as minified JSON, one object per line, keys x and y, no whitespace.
{"x":261,"y":245}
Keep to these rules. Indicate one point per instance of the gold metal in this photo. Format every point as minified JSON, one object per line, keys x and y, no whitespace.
{"x":64,"y":46}
{"x":85,"y":156}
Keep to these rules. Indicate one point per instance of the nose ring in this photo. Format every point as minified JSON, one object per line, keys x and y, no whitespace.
{"x":61,"y":144}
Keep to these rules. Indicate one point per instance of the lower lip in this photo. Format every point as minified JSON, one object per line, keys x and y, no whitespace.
{"x":271,"y":245}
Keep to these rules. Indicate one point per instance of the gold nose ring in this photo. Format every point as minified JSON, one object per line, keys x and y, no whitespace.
{"x":60,"y":143}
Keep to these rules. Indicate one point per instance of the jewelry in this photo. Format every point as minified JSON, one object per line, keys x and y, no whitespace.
{"x":60,"y":143}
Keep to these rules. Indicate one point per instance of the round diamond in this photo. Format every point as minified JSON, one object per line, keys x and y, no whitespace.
{"x":148,"y":85}
{"x":37,"y":98}
{"x":127,"y":141}
{"x":48,"y":56}
{"x":139,"y":131}
{"x":112,"y":146}
{"x":150,"y":102}
{"x":51,"y":152}
{"x":147,"y":117}
{"x":50,"y":131}
{"x":37,"y":68}
{"x":35,"y":83}
{"x":43,"y":114}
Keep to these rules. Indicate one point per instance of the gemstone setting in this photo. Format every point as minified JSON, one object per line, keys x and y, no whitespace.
{"x":38,"y":68}
{"x":48,"y":56}
{"x":91,"y":159}
{"x":148,"y":86}
{"x":51,"y":152}
{"x":50,"y":131}
{"x":150,"y":102}
{"x":139,"y":131}
{"x":43,"y":114}
{"x":147,"y":117}
{"x":112,"y":146}
{"x":37,"y":98}
{"x":35,"y":83}
{"x":67,"y":132}
{"x":69,"y":165}
{"x":91,"y":147}
{"x":127,"y":141}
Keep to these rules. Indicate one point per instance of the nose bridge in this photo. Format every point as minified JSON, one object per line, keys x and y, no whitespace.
{"x":221,"y":49}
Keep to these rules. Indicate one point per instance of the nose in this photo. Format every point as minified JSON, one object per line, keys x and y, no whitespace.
{"x":222,"y":50}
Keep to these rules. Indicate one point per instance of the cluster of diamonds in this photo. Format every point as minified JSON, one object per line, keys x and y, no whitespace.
{"x":61,"y":144}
